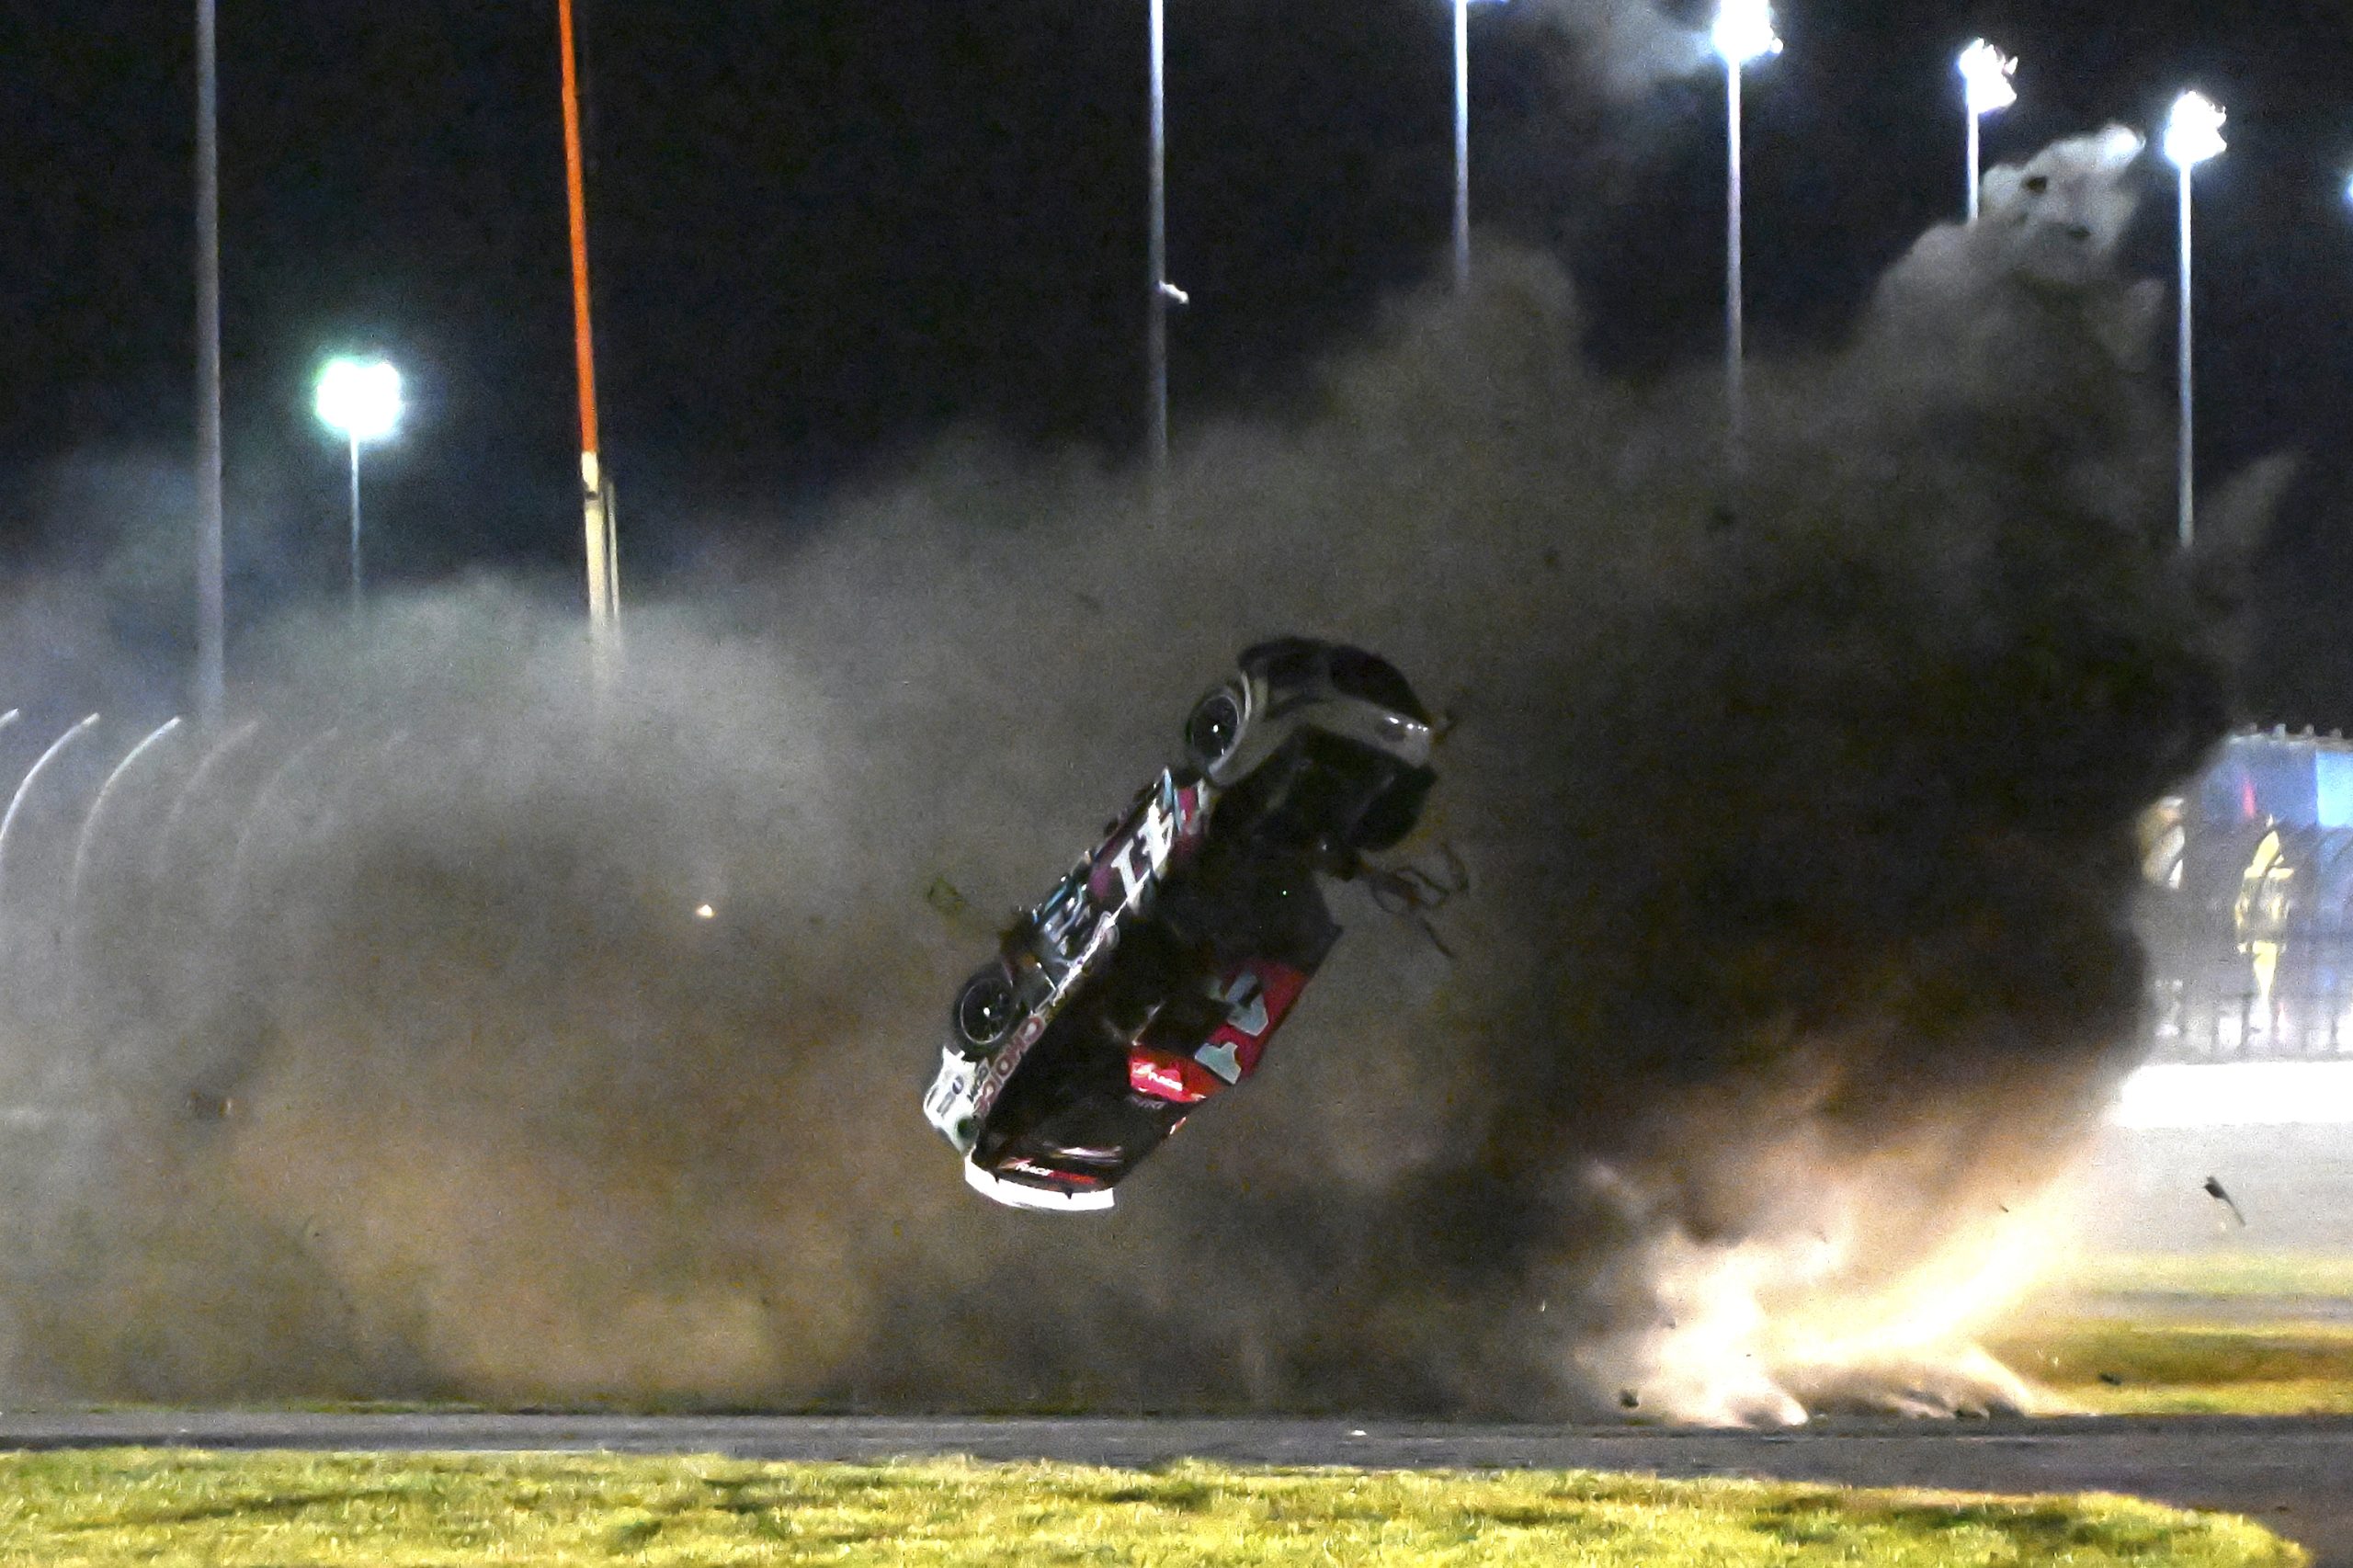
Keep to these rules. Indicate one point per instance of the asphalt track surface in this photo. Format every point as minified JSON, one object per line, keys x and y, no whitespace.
{"x":2294,"y":1475}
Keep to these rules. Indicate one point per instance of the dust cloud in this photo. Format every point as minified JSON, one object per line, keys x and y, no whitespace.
{"x":1620,"y":48}
{"x":386,"y":1053}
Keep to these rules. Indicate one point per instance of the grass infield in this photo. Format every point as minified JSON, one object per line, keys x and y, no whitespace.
{"x":2201,"y":1333}
{"x":165,"y":1510}
{"x":2212,"y":1275}
{"x":2119,"y":1367}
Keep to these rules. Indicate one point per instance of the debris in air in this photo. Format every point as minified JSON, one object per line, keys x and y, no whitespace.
{"x":1152,"y":976}
{"x":2214,"y":1190}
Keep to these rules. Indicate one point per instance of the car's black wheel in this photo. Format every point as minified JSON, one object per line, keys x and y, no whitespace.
{"x":1214,"y":728}
{"x":984,"y":1014}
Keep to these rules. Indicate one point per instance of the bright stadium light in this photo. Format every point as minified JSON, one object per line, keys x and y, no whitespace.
{"x":1743,"y":31}
{"x":1985,"y":72}
{"x":2193,"y":134}
{"x":2194,"y":131}
{"x":361,"y":401}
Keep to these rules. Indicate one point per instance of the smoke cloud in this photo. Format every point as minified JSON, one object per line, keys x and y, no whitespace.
{"x":386,"y":1051}
{"x":1623,"y":48}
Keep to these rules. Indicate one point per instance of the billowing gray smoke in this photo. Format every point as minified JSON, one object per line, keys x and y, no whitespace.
{"x":389,"y":1054}
{"x":1622,"y":48}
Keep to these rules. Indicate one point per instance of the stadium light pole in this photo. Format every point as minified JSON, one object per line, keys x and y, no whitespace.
{"x":1985,"y":72}
{"x":1160,"y":294}
{"x":595,"y":486}
{"x":1743,"y":32}
{"x":2193,"y":134}
{"x":210,"y":635}
{"x":1461,"y":146}
{"x":1156,"y":329}
{"x":361,"y":401}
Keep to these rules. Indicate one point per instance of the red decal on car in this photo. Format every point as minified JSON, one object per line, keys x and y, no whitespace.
{"x":1164,"y":1076}
{"x":1258,"y":996}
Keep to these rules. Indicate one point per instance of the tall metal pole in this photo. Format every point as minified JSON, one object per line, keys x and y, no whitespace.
{"x":2188,"y":498}
{"x":1157,"y":332}
{"x":1986,"y":88}
{"x":357,"y":590}
{"x":1976,"y":160}
{"x":604,"y":605}
{"x":1735,"y":369}
{"x":1462,"y":144}
{"x":209,"y":632}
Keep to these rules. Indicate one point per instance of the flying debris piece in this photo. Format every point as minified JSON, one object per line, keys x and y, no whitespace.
{"x":1152,"y":975}
{"x":2214,"y":1190}
{"x":943,"y":897}
{"x":1417,"y":894}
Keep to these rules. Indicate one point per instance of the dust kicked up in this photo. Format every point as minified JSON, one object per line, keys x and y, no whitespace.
{"x":1798,"y":818}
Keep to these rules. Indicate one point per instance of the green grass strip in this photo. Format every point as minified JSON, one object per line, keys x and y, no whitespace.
{"x":2211,"y":1273}
{"x":165,"y":1510}
{"x":2120,"y":1367}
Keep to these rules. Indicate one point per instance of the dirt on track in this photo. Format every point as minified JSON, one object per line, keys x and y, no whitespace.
{"x":2292,"y":1475}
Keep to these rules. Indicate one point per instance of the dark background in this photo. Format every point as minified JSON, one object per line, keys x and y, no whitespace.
{"x":824,"y":233}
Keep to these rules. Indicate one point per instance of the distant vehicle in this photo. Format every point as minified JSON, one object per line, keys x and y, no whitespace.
{"x":1152,"y":975}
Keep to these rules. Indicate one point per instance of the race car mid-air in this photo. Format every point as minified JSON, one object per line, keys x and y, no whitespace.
{"x":1153,"y":973}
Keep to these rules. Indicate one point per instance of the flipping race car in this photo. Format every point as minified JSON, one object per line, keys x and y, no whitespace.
{"x":1152,"y":975}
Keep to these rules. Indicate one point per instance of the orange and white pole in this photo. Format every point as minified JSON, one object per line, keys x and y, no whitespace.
{"x":603,"y":549}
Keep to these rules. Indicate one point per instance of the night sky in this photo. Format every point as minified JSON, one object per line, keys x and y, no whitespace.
{"x":825,"y":232}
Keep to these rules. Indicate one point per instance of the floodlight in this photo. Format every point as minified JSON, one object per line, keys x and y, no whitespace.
{"x":359,"y":399}
{"x":1743,"y":31}
{"x":1987,"y":71}
{"x":2194,"y":131}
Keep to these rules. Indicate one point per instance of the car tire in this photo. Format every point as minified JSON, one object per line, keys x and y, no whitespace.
{"x":982,"y":1018}
{"x":1213,"y":729}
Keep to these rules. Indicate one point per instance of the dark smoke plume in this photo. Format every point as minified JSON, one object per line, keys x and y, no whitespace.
{"x":387,"y":1052}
